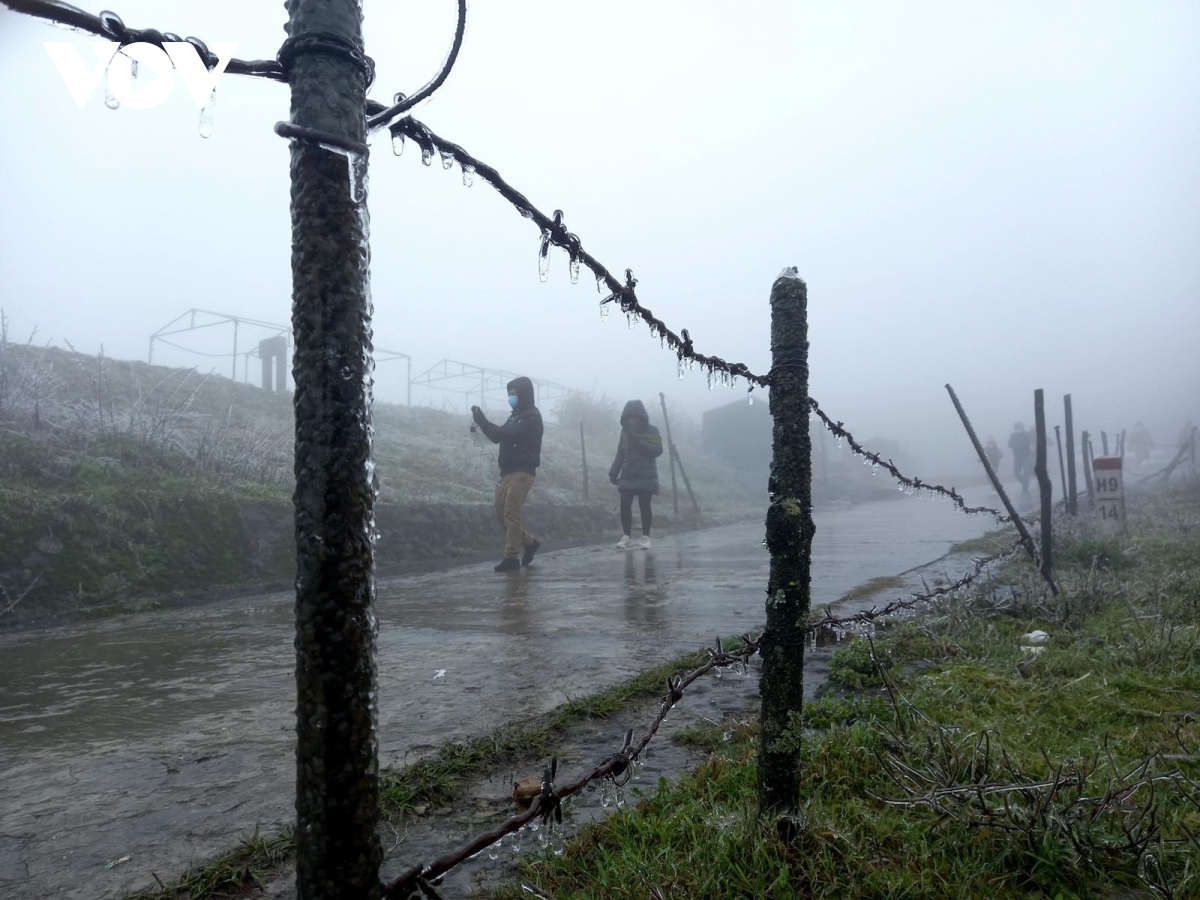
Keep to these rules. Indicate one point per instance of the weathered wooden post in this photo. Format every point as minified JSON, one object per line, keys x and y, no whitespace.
{"x":790,"y":532}
{"x":1086,"y":450}
{"x":1072,"y":502}
{"x":1043,"y":477}
{"x":338,"y":852}
{"x":1062,"y":472}
{"x":687,"y":482}
{"x":662,"y":399}
{"x":1018,"y":522}
{"x":583,"y":450}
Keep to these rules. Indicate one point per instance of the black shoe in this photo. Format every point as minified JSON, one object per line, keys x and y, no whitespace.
{"x":507,"y":565}
{"x":533,"y":548}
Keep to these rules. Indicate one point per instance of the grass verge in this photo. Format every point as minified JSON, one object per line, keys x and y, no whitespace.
{"x":991,"y":766}
{"x":874,"y":586}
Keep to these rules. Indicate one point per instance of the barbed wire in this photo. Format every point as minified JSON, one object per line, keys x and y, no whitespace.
{"x":547,"y":805}
{"x":554,"y":233}
{"x":911,"y":484}
{"x":403,"y":104}
{"x":868,"y":617}
{"x":109,"y":25}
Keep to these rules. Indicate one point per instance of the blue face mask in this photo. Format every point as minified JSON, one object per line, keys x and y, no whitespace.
{"x":513,"y":401}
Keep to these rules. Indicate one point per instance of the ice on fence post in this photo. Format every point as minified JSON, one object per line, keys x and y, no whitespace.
{"x":206,"y":115}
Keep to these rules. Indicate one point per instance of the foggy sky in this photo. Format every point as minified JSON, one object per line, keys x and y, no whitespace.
{"x":1001,"y":195}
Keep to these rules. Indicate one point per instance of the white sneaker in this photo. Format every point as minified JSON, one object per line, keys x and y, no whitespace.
{"x":644,"y":542}
{"x":625,"y":543}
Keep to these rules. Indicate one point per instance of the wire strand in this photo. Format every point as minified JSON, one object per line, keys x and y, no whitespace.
{"x":110,"y":26}
{"x":389,"y":116}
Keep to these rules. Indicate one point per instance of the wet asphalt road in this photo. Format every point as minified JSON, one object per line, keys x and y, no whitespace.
{"x":166,"y":736}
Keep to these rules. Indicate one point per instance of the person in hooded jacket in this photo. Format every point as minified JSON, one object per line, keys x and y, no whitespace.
{"x":993,"y":453}
{"x":1021,"y":443}
{"x":520,"y":440}
{"x":635,"y":472}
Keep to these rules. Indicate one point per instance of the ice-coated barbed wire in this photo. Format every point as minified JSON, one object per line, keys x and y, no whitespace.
{"x":554,"y":233}
{"x":913,"y":484}
{"x":547,"y":805}
{"x":403,"y":103}
{"x":110,"y":26}
{"x":869,"y":616}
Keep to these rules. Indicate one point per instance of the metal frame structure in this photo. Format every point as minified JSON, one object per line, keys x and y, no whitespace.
{"x":218,"y":319}
{"x":453,"y":377}
{"x":215,"y":319}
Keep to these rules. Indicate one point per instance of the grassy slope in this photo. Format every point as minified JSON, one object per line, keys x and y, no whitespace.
{"x":1115,"y":689}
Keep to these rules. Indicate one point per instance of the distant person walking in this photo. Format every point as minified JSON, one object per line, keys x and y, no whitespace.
{"x":635,"y":472}
{"x":1139,"y":442}
{"x":1021,"y":444}
{"x":520,"y":440}
{"x":993,"y":453}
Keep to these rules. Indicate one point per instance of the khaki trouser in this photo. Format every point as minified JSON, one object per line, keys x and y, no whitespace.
{"x":511,"y":493}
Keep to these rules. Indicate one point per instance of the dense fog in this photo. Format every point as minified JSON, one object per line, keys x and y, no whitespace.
{"x":1001,"y":196}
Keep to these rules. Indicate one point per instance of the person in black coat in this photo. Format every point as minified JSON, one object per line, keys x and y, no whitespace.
{"x":635,"y":472}
{"x":520,"y":440}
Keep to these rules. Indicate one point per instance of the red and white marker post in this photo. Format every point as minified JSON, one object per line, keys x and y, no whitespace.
{"x":1109,"y":483}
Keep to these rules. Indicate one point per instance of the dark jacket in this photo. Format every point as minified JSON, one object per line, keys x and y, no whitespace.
{"x":520,"y":438}
{"x":1021,"y":443}
{"x":634,"y":468}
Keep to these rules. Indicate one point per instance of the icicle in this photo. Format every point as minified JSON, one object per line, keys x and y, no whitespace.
{"x":398,"y":142}
{"x":749,"y":399}
{"x":629,"y":320}
{"x":468,"y":175}
{"x":206,"y":115}
{"x":573,"y":266}
{"x":680,"y":368}
{"x":603,"y":312}
{"x":544,"y":256}
{"x":427,"y":156}
{"x":447,"y":158}
{"x":110,"y":99}
{"x":133,"y":69}
{"x":600,"y":284}
{"x":356,"y":172}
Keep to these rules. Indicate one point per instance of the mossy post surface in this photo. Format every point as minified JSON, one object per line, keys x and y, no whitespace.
{"x":790,"y":532}
{"x":338,"y":853}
